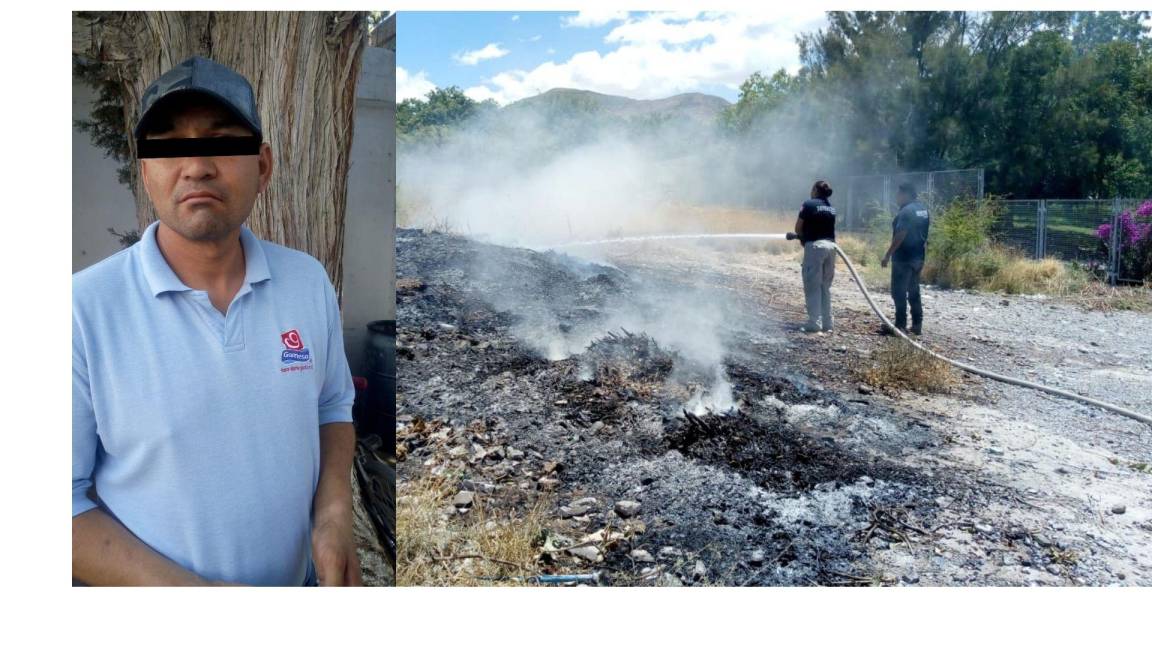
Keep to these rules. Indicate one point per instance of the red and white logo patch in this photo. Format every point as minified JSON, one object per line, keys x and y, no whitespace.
{"x":291,"y":340}
{"x":295,"y":356}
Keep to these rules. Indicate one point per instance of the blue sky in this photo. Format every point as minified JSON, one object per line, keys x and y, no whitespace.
{"x":507,"y":56}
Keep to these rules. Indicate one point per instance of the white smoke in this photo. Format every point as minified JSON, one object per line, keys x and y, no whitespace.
{"x":526,"y":176}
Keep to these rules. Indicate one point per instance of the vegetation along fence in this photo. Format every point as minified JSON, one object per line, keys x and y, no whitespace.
{"x":1111,"y":237}
{"x":873,"y":197}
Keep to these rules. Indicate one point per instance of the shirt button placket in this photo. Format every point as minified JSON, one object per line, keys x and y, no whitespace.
{"x":234,"y":326}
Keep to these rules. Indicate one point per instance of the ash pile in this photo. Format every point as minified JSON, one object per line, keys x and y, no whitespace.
{"x":517,"y":387}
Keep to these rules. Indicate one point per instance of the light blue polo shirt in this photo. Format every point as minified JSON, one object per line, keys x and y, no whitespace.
{"x":200,"y":431}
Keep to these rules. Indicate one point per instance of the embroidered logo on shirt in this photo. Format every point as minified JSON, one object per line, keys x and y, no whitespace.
{"x":295,"y":355}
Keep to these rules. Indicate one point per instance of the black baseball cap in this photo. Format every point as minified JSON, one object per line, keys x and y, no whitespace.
{"x":206,"y":77}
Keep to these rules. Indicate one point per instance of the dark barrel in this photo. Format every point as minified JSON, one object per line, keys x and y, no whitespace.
{"x":378,"y":415}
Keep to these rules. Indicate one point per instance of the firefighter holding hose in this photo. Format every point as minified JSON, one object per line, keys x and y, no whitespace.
{"x":816,"y":231}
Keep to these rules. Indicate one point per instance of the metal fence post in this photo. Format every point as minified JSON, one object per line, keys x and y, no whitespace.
{"x":931,"y":193}
{"x":980,"y":184}
{"x":1041,"y":228}
{"x":1114,"y":248}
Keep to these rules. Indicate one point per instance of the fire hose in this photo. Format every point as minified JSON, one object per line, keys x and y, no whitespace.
{"x":976,"y":370}
{"x":1143,"y":418}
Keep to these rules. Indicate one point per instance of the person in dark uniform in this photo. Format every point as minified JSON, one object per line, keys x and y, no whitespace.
{"x":816,"y":231}
{"x":907,"y":251}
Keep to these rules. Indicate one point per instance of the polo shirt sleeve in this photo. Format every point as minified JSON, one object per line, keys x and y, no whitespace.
{"x":84,"y":438}
{"x":338,"y":392}
{"x":805,"y":210}
{"x":901,"y":222}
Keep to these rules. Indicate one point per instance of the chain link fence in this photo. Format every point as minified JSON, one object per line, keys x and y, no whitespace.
{"x":873,"y":197}
{"x":1092,"y":233}
{"x":1017,"y":226}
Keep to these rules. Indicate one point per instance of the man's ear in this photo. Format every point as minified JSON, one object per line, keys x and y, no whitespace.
{"x":265,"y":165}
{"x":144,"y":179}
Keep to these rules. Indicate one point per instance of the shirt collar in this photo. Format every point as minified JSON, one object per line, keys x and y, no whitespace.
{"x":162,"y":279}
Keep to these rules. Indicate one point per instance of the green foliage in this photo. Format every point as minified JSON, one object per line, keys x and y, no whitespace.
{"x":960,"y":252}
{"x":1051,"y":104}
{"x":439,"y":114}
{"x":1094,"y":28}
{"x":759,"y":96}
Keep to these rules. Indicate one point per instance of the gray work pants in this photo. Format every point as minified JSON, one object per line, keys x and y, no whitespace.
{"x":906,"y":292}
{"x":818,"y":268}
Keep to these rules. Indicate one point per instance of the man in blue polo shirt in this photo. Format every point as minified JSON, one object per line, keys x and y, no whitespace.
{"x":907,"y":252}
{"x":211,"y":400}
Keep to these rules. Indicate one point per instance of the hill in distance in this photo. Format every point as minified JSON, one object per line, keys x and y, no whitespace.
{"x":692,"y":105}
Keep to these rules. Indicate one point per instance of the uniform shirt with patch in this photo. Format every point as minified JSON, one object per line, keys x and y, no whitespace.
{"x":819,"y":218}
{"x":199,"y":430}
{"x":912,"y":218}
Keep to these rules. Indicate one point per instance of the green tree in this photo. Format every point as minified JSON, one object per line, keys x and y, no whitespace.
{"x":1091,"y":29}
{"x":436,"y":115}
{"x":759,"y":96}
{"x":1051,"y":104}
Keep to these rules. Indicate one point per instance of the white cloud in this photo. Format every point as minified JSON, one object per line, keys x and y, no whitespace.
{"x":489,"y":51}
{"x":481,"y":93}
{"x":535,"y":38}
{"x":661,"y":54}
{"x":412,"y":86}
{"x":593,"y":18}
{"x":515,"y":17}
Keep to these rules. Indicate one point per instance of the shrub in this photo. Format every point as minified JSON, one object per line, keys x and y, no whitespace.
{"x":898,"y":365}
{"x":1019,"y":275}
{"x":1135,"y":241}
{"x":960,"y":251}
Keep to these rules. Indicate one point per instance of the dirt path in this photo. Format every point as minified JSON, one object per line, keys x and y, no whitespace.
{"x":810,"y":481}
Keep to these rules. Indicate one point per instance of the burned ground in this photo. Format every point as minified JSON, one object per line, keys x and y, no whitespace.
{"x":517,"y":382}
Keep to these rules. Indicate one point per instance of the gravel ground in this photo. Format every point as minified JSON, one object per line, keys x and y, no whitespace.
{"x":811,"y":482}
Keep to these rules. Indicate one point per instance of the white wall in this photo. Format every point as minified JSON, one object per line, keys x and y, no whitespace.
{"x":98,"y":200}
{"x":370,"y":220}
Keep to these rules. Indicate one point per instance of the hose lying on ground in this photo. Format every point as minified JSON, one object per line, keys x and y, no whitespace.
{"x":981,"y":372}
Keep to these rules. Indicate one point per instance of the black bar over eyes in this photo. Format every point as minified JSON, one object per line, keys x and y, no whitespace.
{"x":198,"y":147}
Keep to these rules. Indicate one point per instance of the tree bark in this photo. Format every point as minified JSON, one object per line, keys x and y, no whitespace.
{"x":303,"y":67}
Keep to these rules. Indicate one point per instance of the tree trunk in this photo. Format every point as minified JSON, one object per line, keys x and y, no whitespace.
{"x":303,"y":67}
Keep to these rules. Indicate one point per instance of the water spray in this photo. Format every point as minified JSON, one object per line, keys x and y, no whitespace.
{"x":790,"y":236}
{"x":672,"y":237}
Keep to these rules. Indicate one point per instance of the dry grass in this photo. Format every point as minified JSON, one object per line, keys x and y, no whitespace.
{"x":898,"y":365}
{"x":374,"y":566}
{"x":1101,"y":297}
{"x":1018,"y":275}
{"x":865,"y":255}
{"x":438,"y":547}
{"x":1000,"y":269}
{"x":415,"y":211}
{"x":721,"y":220}
{"x":1004,"y":270}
